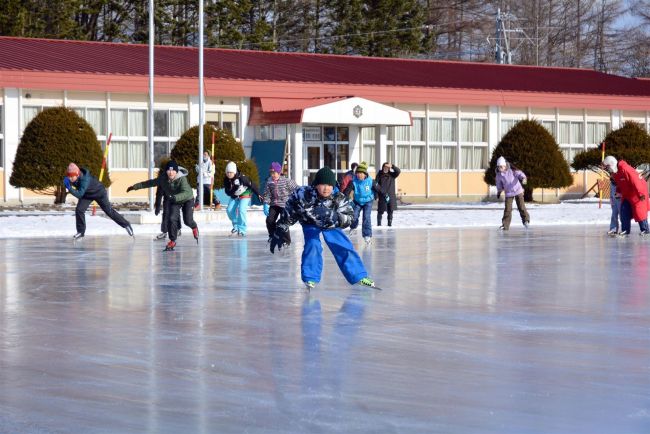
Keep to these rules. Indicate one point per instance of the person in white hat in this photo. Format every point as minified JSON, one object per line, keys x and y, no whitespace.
{"x":510,"y":180}
{"x":240,"y":190}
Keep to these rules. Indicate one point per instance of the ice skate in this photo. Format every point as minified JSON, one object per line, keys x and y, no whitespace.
{"x":645,"y":234}
{"x":526,"y":225}
{"x":368,"y":240}
{"x":78,"y":236}
{"x":367,"y":281}
{"x":612,"y":233}
{"x":352,"y":231}
{"x":170,"y":246}
{"x":241,"y":234}
{"x":161,"y":236}
{"x":129,"y":230}
{"x":310,"y":285}
{"x":623,"y":234}
{"x":233,"y":232}
{"x":502,"y":228}
{"x":195,"y":233}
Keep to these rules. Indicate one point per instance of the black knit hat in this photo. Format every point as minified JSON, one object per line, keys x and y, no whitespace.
{"x":325,"y":176}
{"x":171,"y":164}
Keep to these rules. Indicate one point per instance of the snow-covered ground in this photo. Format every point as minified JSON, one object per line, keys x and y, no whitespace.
{"x":440,"y":215}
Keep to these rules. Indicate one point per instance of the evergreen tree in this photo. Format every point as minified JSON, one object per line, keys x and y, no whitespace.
{"x":226,"y":148}
{"x":532,"y":149}
{"x":53,"y":139}
{"x":630,"y":143}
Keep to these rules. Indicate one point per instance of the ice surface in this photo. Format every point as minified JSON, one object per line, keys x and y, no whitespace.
{"x":476,"y":331}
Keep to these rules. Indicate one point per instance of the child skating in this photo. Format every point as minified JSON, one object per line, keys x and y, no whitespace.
{"x":320,"y":211}
{"x":365,"y":191}
{"x":510,"y":180}
{"x":240,"y":190}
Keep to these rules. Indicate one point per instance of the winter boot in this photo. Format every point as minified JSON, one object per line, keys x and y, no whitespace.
{"x":170,"y":246}
{"x":195,"y":232}
{"x":390,"y":220}
{"x":378,"y":220}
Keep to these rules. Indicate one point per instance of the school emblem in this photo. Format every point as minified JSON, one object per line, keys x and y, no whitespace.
{"x":357,"y":111}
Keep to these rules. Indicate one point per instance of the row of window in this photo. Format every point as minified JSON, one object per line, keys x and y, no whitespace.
{"x":129,"y":128}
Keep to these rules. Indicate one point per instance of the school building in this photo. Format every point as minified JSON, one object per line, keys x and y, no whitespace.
{"x":438,"y":121}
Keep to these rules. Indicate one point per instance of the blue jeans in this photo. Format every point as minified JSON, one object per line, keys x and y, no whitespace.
{"x":616,"y":207}
{"x":366,"y":227}
{"x":236,"y":211}
{"x":339,"y":244}
{"x":626,"y":218}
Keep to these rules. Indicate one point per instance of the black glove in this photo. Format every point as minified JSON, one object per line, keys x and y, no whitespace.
{"x":171,"y":199}
{"x":156,"y":210}
{"x":129,"y":188}
{"x":279,"y":239}
{"x":498,"y":195}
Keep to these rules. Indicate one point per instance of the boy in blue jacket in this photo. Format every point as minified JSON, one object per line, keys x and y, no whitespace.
{"x":365,"y":190}
{"x":321,"y":211}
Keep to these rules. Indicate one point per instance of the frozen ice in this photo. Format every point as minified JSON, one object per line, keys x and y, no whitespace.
{"x":476,"y":331}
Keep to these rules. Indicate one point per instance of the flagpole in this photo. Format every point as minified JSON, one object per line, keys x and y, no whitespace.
{"x":151,"y":98}
{"x":199,"y":183}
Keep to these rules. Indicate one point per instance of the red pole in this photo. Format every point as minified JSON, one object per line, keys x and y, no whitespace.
{"x":101,"y":172}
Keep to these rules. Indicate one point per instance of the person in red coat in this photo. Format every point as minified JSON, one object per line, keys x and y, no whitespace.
{"x":633,"y":191}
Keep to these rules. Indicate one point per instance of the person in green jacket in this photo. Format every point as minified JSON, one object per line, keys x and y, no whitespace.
{"x":179,"y":195}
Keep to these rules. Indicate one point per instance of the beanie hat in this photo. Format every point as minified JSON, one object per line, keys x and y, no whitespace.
{"x":231,"y":167}
{"x":325,"y":176}
{"x":362,"y":167}
{"x":501,"y":161}
{"x":73,"y":170}
{"x":609,"y":162}
{"x":171,"y":164}
{"x":276,"y":167}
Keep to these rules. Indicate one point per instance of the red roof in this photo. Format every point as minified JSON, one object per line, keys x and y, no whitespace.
{"x":45,"y":55}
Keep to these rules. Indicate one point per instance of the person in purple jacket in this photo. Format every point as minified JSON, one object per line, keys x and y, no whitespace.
{"x":509,"y":180}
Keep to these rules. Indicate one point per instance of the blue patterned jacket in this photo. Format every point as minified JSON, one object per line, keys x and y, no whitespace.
{"x":307,"y":207}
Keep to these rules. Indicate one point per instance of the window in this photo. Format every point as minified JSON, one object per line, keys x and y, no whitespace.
{"x":571,"y":139}
{"x":271,"y":132}
{"x":29,"y":113}
{"x":129,"y":144}
{"x":311,"y":134}
{"x":224,"y":120}
{"x":368,"y":145}
{"x":550,"y":127}
{"x":473,"y":149}
{"x":506,"y":125}
{"x":96,"y":117}
{"x":408,"y":145}
{"x":168,"y":126}
{"x":442,"y":144}
{"x":596,"y":132}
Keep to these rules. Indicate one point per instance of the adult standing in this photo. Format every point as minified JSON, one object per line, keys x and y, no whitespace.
{"x":86,"y":188}
{"x":388,"y":201}
{"x":206,"y":181}
{"x":276,"y":192}
{"x":633,"y":191}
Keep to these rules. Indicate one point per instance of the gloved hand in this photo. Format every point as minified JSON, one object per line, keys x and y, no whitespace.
{"x":387,"y":197}
{"x":279,"y":239}
{"x":266,"y":209}
{"x":129,"y":188}
{"x":642,"y":197}
{"x":171,"y":199}
{"x":498,"y":195}
{"x":156,"y":210}
{"x":524,"y":181}
{"x":66,"y":182}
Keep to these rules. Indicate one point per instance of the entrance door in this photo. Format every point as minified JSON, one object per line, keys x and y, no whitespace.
{"x":314,"y":161}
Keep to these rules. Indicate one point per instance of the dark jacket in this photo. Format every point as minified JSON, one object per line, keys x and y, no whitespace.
{"x":305,"y":206}
{"x":386,"y":182}
{"x":178,"y":188}
{"x":239,"y":186}
{"x":87,"y":186}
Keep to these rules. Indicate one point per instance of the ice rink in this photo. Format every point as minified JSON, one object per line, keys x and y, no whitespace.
{"x":539,"y":331}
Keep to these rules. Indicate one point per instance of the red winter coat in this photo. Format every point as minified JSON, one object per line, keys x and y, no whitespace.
{"x":631,"y":187}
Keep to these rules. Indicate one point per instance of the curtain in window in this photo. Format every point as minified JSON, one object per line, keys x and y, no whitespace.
{"x":230,"y":123}
{"x":506,"y":125}
{"x":390,"y":155}
{"x":119,"y":154}
{"x":29,"y":113}
{"x":177,"y":123}
{"x":466,"y":130}
{"x":369,"y":154}
{"x":417,"y":130}
{"x":80,"y":111}
{"x":137,"y":123}
{"x":402,"y":134}
{"x":550,"y":127}
{"x":368,"y":134}
{"x":160,"y":150}
{"x":279,"y":132}
{"x":119,"y":123}
{"x":564,"y":132}
{"x":435,"y":130}
{"x":576,"y":133}
{"x":402,"y":157}
{"x":449,"y":130}
{"x":479,"y":157}
{"x":263,"y":132}
{"x":480,"y":130}
{"x":97,"y":120}
{"x":435,"y":157}
{"x":137,"y":155}
{"x":2,"y":152}
{"x":417,"y":157}
{"x":449,"y":157}
{"x":466,"y":158}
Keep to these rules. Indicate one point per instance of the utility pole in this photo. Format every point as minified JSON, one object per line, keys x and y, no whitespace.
{"x":502,"y":53}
